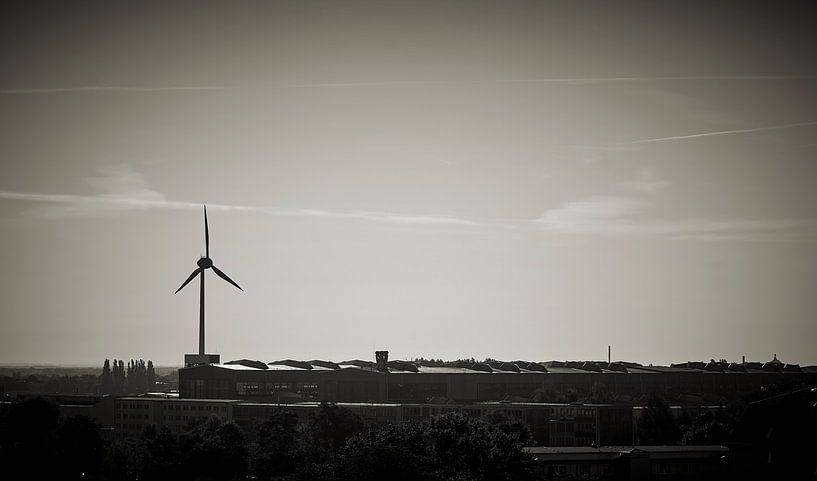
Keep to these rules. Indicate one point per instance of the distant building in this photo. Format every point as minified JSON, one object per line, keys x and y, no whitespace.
{"x":291,"y":381}
{"x":635,"y":463}
{"x":595,"y":424}
{"x":131,"y":415}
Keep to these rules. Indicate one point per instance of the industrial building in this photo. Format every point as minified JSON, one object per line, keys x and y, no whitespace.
{"x":636,"y":463}
{"x":290,"y":381}
{"x":550,"y":424}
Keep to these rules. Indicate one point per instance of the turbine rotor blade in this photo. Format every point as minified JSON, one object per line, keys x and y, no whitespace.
{"x":206,"y":234}
{"x":194,"y":274}
{"x":224,"y":276}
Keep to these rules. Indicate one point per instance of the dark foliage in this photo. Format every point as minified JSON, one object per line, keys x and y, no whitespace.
{"x":711,"y":427}
{"x":34,"y":441}
{"x":80,"y":451}
{"x":449,"y":447}
{"x":210,"y":450}
{"x":657,"y":425}
{"x":278,"y":452}
{"x":328,"y":430}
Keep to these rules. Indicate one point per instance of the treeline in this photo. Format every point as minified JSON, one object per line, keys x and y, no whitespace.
{"x":139,"y":377}
{"x":118,"y":377}
{"x":332,"y":444}
{"x":657,"y":425}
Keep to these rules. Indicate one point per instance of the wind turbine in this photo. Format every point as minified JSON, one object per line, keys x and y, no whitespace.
{"x":205,"y":263}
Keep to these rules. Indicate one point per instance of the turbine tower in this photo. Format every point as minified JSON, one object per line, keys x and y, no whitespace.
{"x":204,"y":263}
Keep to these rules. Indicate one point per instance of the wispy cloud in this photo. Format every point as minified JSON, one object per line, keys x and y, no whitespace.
{"x":622,"y":216}
{"x":646,"y":182}
{"x":111,"y":88}
{"x":120,"y":188}
{"x":595,"y":214}
{"x":630,"y":213}
{"x":722,"y":132}
{"x":85,"y":205}
{"x":372,"y":216}
{"x":393,"y":83}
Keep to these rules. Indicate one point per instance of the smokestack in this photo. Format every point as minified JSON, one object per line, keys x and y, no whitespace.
{"x":744,"y":360}
{"x":608,"y":355}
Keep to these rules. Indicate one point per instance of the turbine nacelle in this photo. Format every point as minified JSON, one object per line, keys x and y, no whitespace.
{"x":205,"y":262}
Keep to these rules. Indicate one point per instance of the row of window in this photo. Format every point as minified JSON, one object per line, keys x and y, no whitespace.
{"x":185,"y":407}
{"x":255,"y":388}
{"x":185,"y":418}
{"x":562,"y":441}
{"x":570,"y":412}
{"x":131,"y":416}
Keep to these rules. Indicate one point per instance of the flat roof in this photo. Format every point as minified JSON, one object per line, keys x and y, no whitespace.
{"x":175,"y":399}
{"x":626,"y":449}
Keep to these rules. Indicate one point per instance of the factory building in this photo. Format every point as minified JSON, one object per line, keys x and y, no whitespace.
{"x":290,"y":381}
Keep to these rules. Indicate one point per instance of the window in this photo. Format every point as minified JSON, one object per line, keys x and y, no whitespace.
{"x":247,"y":388}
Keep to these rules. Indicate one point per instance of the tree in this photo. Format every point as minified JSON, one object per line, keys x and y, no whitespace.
{"x":118,"y":376}
{"x":277,"y":452}
{"x":397,"y":452}
{"x":130,"y":381}
{"x":710,"y":427}
{"x":123,"y":460}
{"x":106,"y":379}
{"x":151,"y":376}
{"x":511,"y":427}
{"x":80,"y":451}
{"x":328,"y":430}
{"x":27,"y":439}
{"x":218,"y":451}
{"x":469,"y":448}
{"x":205,"y":451}
{"x":657,"y":425}
{"x":449,"y":447}
{"x":162,"y":456}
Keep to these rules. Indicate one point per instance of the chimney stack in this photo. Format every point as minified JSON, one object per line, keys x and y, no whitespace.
{"x":381,"y":360}
{"x":608,"y":355}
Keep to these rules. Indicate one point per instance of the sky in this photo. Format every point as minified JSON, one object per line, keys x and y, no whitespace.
{"x":447,"y":179}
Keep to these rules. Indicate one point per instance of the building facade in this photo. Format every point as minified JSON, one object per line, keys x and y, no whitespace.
{"x":402,"y":382}
{"x":584,"y":424}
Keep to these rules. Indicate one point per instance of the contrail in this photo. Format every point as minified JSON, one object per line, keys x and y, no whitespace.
{"x":393,"y":83}
{"x":86,"y":204}
{"x":721,"y":132}
{"x":93,"y":89}
{"x":580,"y":80}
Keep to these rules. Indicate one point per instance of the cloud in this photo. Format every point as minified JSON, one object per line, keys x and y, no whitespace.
{"x":646,"y":182}
{"x":722,"y":132}
{"x":376,"y":216}
{"x":592,"y":215}
{"x":393,"y":83}
{"x":103,"y":89}
{"x":618,"y":216}
{"x":120,"y":188}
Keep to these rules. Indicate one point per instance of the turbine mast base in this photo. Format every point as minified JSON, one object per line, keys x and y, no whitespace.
{"x":191,"y":360}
